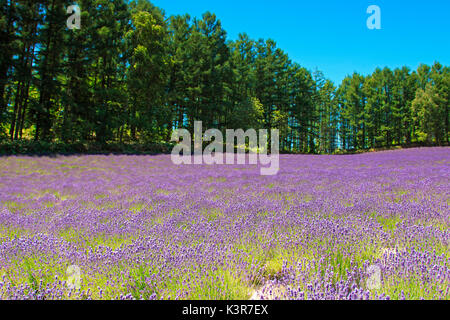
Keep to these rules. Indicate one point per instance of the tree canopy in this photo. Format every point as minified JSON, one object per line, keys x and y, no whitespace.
{"x":133,"y":74}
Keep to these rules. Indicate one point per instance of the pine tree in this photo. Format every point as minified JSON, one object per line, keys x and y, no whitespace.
{"x":8,"y":47}
{"x":148,"y":74}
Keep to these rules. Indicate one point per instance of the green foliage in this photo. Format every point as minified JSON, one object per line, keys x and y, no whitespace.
{"x":131,"y":75}
{"x":48,"y":148}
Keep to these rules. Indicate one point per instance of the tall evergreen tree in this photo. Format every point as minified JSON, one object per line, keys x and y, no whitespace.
{"x":148,"y":74}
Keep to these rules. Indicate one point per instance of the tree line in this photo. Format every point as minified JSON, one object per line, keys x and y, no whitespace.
{"x":133,"y":75}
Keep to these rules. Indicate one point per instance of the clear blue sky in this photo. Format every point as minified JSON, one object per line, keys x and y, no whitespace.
{"x":332,"y":35}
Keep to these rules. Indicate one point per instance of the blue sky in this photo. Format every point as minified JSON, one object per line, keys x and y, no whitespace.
{"x":332,"y":35}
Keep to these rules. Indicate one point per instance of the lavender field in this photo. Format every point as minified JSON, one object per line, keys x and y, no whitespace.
{"x":139,"y":227}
